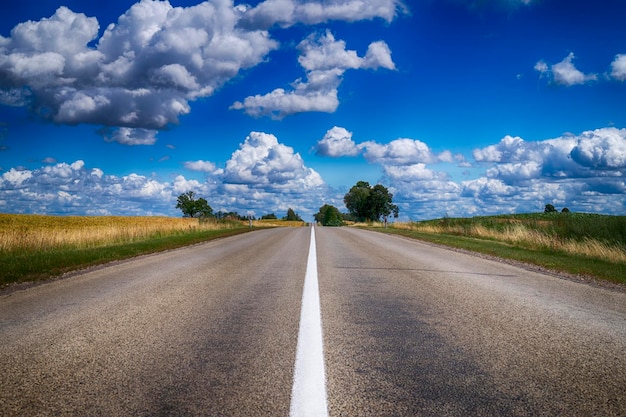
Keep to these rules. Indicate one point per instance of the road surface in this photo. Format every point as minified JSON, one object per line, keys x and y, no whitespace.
{"x":408,"y":329}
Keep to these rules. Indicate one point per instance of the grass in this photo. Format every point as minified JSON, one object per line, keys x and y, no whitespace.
{"x":277,"y":223}
{"x":583,"y":244}
{"x":34,"y":247}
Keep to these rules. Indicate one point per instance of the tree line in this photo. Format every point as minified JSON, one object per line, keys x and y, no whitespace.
{"x":364,"y":203}
{"x":197,"y":207}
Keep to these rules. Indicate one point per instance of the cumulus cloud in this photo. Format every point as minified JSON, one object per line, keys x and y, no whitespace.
{"x":398,"y":152}
{"x":74,"y":189}
{"x":146,"y":68}
{"x":263,"y":175}
{"x":597,"y":153}
{"x":584,"y":172}
{"x":402,"y":152}
{"x":200,"y":166}
{"x":262,"y":162}
{"x":141,"y":74}
{"x":183,"y":185}
{"x":602,"y":149}
{"x":324,"y":60}
{"x":618,"y":67}
{"x":337,"y":142}
{"x":409,"y":173}
{"x":564,"y":72}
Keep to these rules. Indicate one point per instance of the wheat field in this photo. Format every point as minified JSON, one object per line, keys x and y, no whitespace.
{"x":20,"y":232}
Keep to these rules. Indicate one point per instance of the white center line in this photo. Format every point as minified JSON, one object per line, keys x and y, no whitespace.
{"x":308,"y":394}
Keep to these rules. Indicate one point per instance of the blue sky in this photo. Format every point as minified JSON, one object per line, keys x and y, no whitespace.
{"x":459,"y":107}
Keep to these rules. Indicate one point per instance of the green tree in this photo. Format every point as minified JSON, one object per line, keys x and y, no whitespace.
{"x":381,"y":203}
{"x":329,"y":216}
{"x":356,"y":200}
{"x":370,"y":203}
{"x":192,"y":207}
{"x":549,"y":209}
{"x":292,"y":215}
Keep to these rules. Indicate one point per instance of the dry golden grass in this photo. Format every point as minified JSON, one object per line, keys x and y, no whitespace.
{"x":518,"y":234}
{"x":276,"y":223}
{"x":34,"y":232}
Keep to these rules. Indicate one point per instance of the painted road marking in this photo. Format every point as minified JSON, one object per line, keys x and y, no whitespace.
{"x":308,"y":394}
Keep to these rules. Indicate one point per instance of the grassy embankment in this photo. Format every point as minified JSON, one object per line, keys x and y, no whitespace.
{"x":36,"y":247}
{"x":584,"y":244}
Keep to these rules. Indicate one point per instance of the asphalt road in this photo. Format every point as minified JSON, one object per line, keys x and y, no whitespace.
{"x":409,"y":330}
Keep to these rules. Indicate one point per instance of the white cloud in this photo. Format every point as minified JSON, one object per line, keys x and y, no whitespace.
{"x":542,"y":67}
{"x":564,"y":72}
{"x":584,"y":172}
{"x":73,"y":189}
{"x":130,"y":136}
{"x":141,"y":73}
{"x":603,"y":149}
{"x":509,"y":148}
{"x":618,"y":67}
{"x":325,"y":60}
{"x":183,"y":185}
{"x":15,"y":178}
{"x":378,"y":55}
{"x":409,"y":173}
{"x":398,"y":152}
{"x":289,"y":12}
{"x":337,"y":142}
{"x":146,"y":68}
{"x":201,"y":166}
{"x":326,"y":53}
{"x":280,"y":103}
{"x":263,"y":176}
{"x":262,"y":162}
{"x":485,"y":188}
{"x":597,"y":153}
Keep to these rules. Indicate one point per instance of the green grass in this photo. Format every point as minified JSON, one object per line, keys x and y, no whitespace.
{"x":576,"y":226}
{"x":559,"y":242}
{"x":25,"y":265}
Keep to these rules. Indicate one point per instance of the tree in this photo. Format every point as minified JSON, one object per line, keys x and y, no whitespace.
{"x":292,"y":215}
{"x":381,"y":203}
{"x":192,"y":207}
{"x":270,"y":216}
{"x":356,"y":200}
{"x":328,"y":216}
{"x":549,"y":209}
{"x":370,"y":203}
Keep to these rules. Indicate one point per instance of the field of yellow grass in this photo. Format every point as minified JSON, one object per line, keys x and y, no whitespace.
{"x":34,"y":232}
{"x":277,"y":223}
{"x":34,"y":247}
{"x":532,"y":234}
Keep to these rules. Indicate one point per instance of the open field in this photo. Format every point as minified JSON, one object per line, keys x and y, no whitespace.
{"x":586,"y":244}
{"x":277,"y":223}
{"x":34,"y":247}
